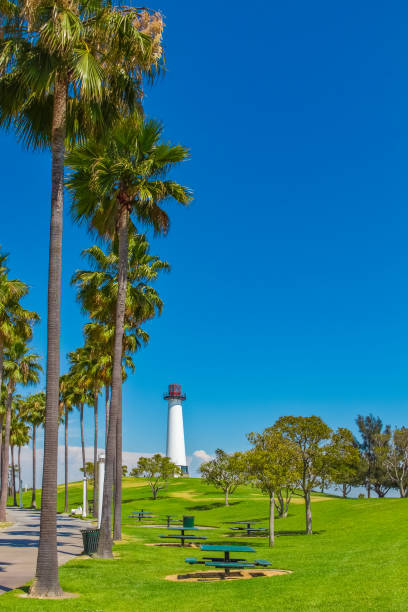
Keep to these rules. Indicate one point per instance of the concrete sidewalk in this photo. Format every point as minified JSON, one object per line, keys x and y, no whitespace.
{"x":19,"y":543}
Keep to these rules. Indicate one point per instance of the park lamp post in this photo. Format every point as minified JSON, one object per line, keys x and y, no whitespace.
{"x":101,"y":479}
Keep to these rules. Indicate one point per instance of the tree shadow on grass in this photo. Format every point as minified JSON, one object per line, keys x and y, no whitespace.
{"x":298,"y":533}
{"x":212,"y":506}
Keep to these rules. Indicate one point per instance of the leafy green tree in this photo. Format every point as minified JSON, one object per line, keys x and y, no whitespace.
{"x":375,"y":476}
{"x":345,"y":468}
{"x":393,"y":455}
{"x":157,"y":470}
{"x":311,"y":435}
{"x":124,"y":470}
{"x":225,"y":472}
{"x":20,"y":367}
{"x":274,"y":463}
{"x":89,"y":469}
{"x":114,"y":178}
{"x":34,"y":410}
{"x":67,"y":69}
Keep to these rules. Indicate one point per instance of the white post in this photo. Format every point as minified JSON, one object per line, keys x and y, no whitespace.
{"x":21,"y":493}
{"x":101,"y":478}
{"x":84,"y":500}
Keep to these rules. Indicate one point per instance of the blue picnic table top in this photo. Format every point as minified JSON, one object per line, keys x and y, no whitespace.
{"x":226,"y":548}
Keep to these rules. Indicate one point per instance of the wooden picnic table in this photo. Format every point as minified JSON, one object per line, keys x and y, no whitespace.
{"x":227,"y":563}
{"x":246,"y":527}
{"x":182,"y":536}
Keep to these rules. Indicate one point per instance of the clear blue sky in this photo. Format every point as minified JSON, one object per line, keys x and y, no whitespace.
{"x":288,"y":291}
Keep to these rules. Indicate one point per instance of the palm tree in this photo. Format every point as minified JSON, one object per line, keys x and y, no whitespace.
{"x":67,"y":69}
{"x":87,"y":363}
{"x":97,"y":292}
{"x":66,"y":406}
{"x":79,"y":395}
{"x":19,"y":436}
{"x":102,"y":336}
{"x":14,"y":319}
{"x":20,"y":367}
{"x":114,"y":177}
{"x":34,"y":410}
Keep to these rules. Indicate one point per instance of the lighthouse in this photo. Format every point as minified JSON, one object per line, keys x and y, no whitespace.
{"x":176,"y":449}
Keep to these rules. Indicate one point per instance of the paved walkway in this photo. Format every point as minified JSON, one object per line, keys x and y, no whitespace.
{"x":18,"y":545}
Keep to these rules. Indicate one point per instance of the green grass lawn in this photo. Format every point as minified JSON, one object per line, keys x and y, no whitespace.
{"x":356,"y":560}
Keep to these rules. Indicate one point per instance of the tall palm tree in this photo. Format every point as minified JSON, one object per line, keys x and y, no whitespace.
{"x":20,"y":367}
{"x":114,"y":177}
{"x":102,"y":336}
{"x":87,"y":363}
{"x":98,"y":291}
{"x":19,"y":436}
{"x":34,"y":410}
{"x":67,"y":397}
{"x":14,"y":319}
{"x":67,"y":69}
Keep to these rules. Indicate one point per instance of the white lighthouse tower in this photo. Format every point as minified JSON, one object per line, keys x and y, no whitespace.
{"x":176,"y":449}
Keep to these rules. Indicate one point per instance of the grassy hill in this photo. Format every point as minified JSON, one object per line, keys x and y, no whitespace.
{"x":355,"y":561}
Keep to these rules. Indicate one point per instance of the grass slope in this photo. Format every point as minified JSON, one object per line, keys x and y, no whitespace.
{"x":356,"y":560}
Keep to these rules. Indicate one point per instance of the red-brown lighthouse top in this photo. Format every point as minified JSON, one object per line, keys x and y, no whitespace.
{"x":174,"y":392}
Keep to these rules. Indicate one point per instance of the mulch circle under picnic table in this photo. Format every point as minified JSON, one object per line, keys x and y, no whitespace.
{"x":211,"y":575}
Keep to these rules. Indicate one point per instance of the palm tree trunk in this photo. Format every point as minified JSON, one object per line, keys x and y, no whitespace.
{"x":46,"y":583}
{"x":95,"y":471}
{"x":33,"y":502}
{"x":1,"y":440}
{"x":106,"y":414}
{"x":1,"y":382}
{"x":1,"y":361}
{"x":20,"y":488}
{"x":66,"y":461}
{"x":117,"y":523}
{"x":105,"y":536}
{"x":83,"y":457}
{"x":5,"y":454}
{"x":13,"y":476}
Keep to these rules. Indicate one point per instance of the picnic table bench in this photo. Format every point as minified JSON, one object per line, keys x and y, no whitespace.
{"x":245,"y":527}
{"x":227,"y":563}
{"x":182,"y":536}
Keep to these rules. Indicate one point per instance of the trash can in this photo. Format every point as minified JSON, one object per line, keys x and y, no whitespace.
{"x":188,"y":522}
{"x":90,"y":539}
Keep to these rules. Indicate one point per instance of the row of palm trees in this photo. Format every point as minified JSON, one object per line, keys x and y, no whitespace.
{"x":19,"y":366}
{"x":71,"y":81}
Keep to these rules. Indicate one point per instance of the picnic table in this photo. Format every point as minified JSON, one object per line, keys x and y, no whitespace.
{"x":183,"y":536}
{"x":227,"y":563}
{"x":169,"y":518}
{"x":245,"y":526}
{"x":140,"y":514}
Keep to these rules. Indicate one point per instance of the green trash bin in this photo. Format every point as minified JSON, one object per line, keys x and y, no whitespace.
{"x":188,"y":522}
{"x":90,"y":539}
